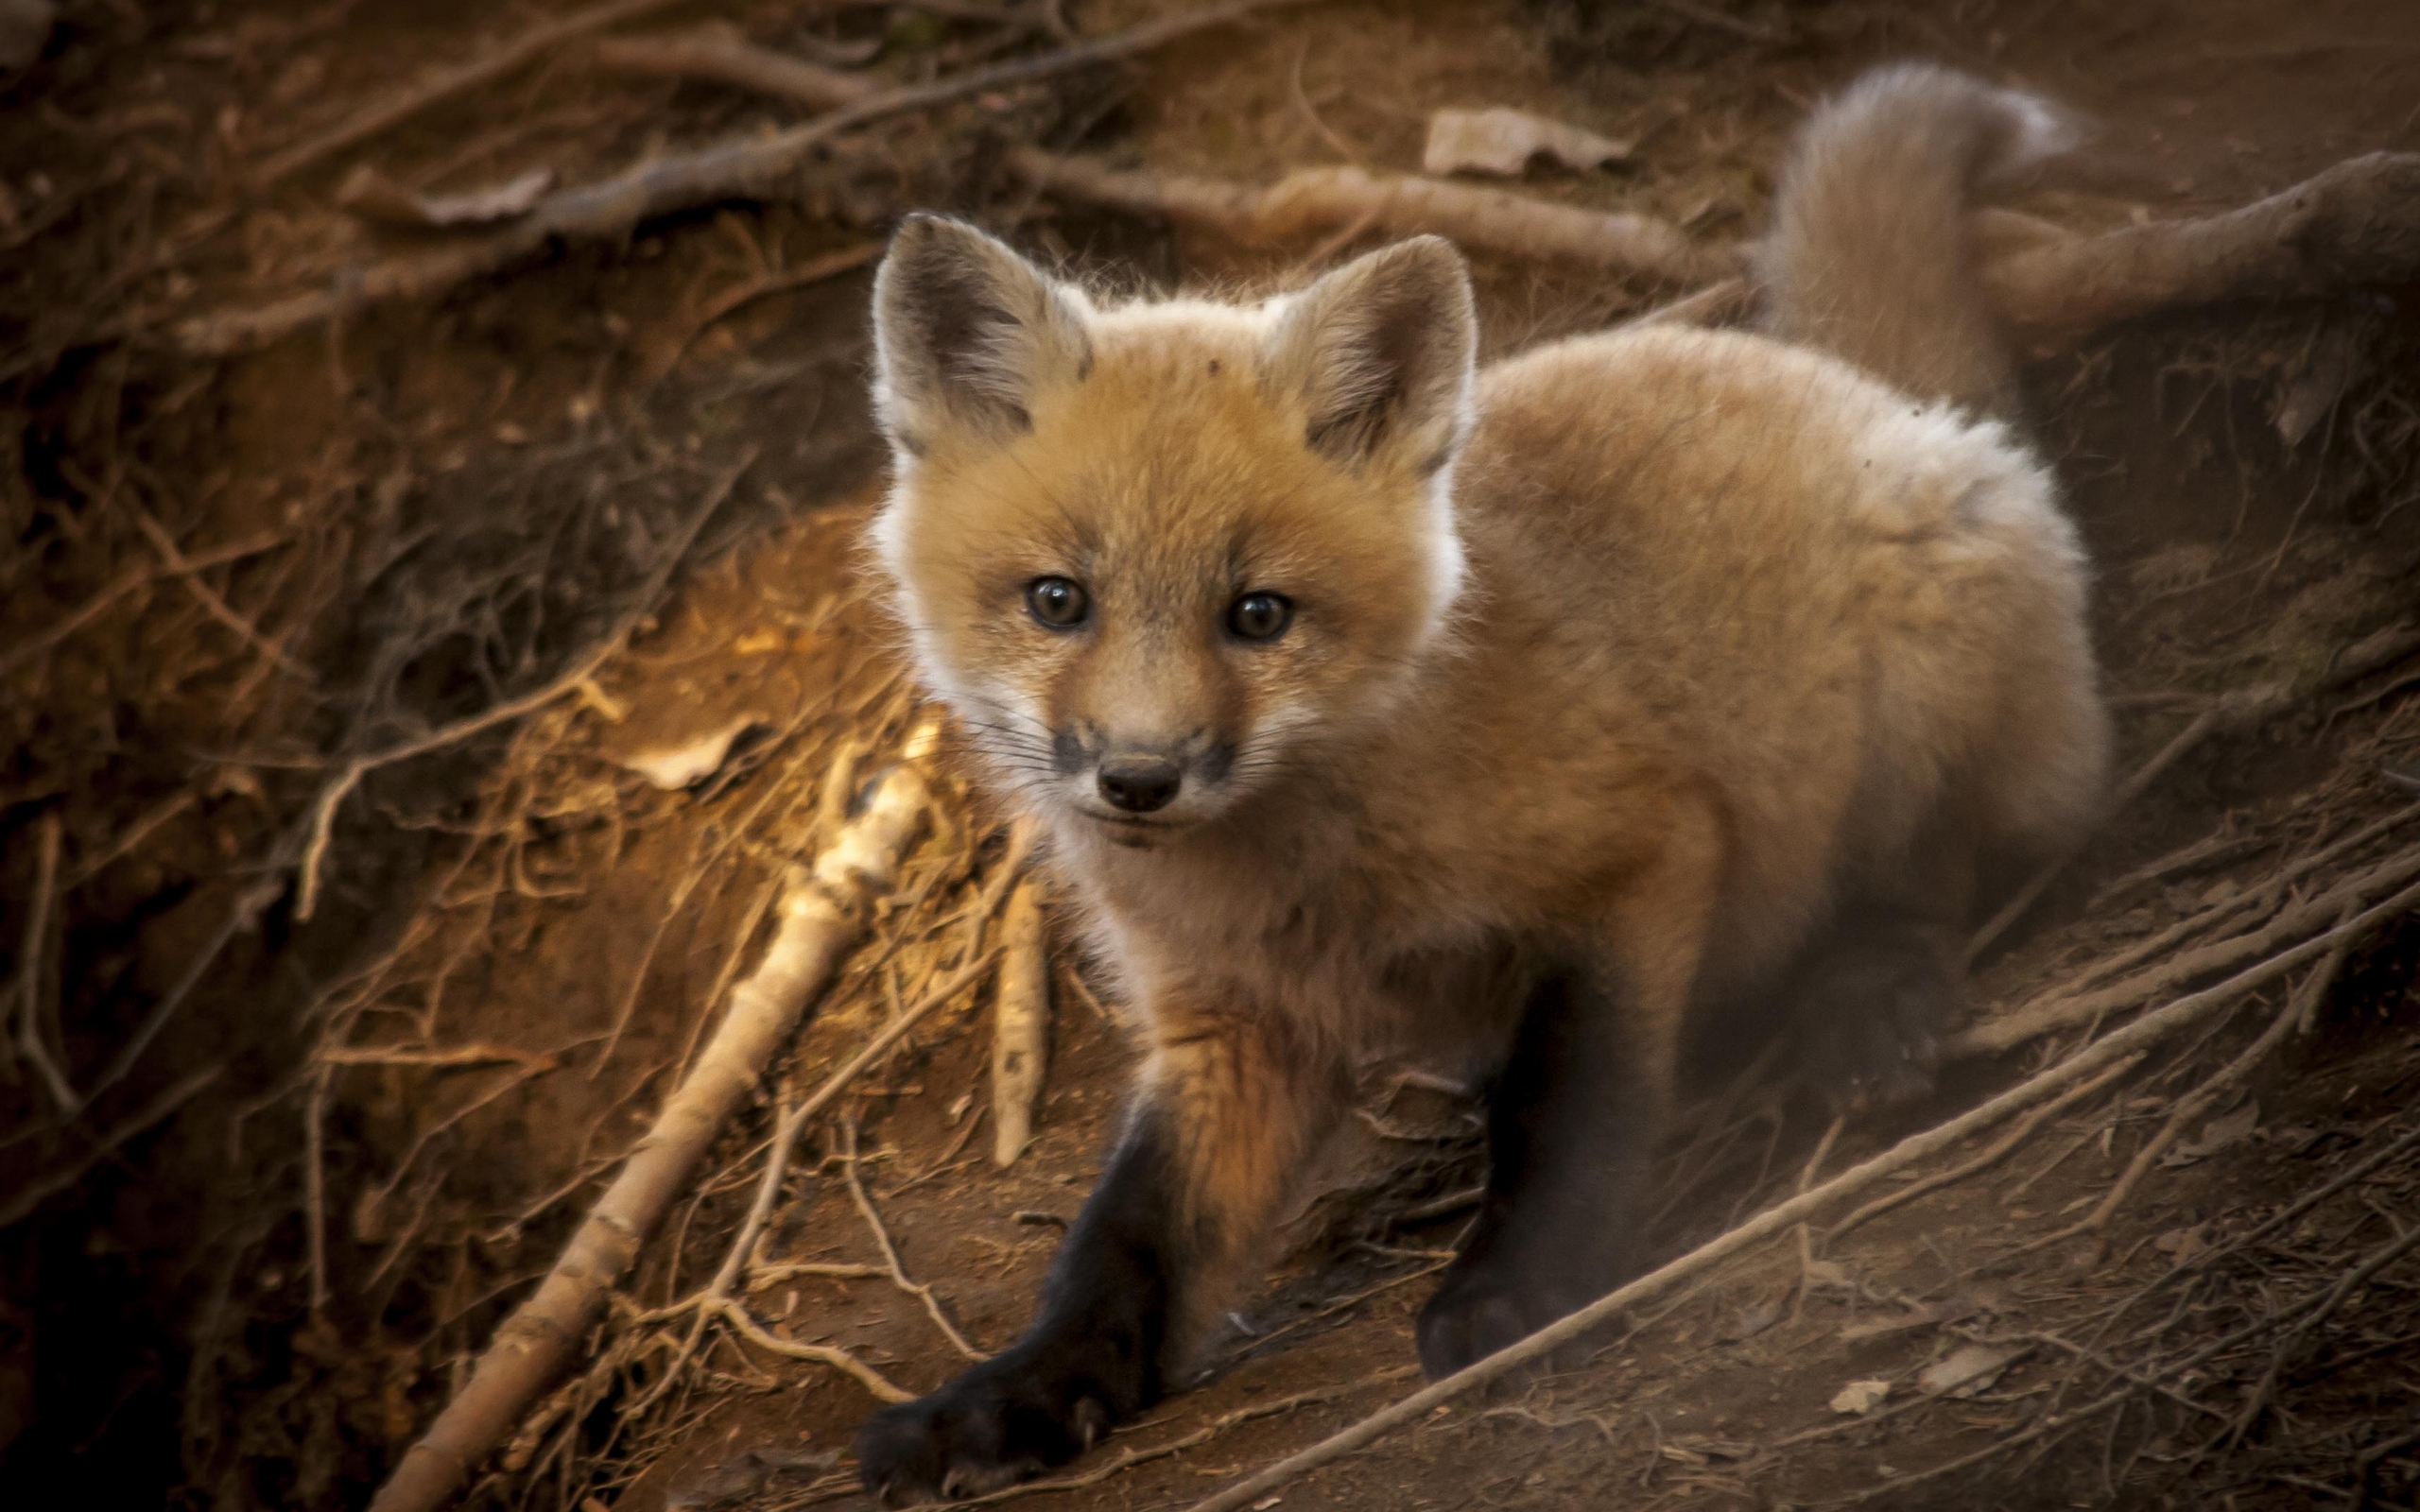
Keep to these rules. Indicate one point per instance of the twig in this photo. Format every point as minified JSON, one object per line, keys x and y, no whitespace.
{"x":740,"y":168}
{"x":106,"y":1145}
{"x":208,"y":597}
{"x":323,"y":809}
{"x":2086,"y":1063}
{"x":1021,"y":1026}
{"x":822,"y":913}
{"x":491,"y":63}
{"x":244,"y":916}
{"x":126,"y":582}
{"x":135,"y":835}
{"x":922,"y":1292}
{"x":2057,"y":1010}
{"x":30,"y":956}
{"x":2299,"y":1007}
{"x":2023,"y":1131}
{"x":875,"y":1383}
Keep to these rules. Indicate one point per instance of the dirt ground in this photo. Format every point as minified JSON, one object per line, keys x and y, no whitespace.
{"x":289,"y":1168}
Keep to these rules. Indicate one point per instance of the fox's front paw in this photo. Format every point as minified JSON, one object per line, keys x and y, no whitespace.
{"x":1873,"y":1017}
{"x":996,"y":1425}
{"x":1481,"y":1310}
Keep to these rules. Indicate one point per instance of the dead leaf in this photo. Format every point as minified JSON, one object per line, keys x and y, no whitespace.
{"x":2182,"y":1245}
{"x":1860,"y":1397}
{"x":1502,"y":141}
{"x":2216,"y":1135}
{"x":692,"y":761}
{"x":1965,"y":1370}
{"x":371,"y":196}
{"x":1750,"y":1321}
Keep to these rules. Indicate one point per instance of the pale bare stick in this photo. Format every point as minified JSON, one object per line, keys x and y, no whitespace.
{"x":30,"y":956}
{"x":822,"y":914}
{"x":1334,"y":198}
{"x":439,"y":85}
{"x":739,"y":168}
{"x":1020,"y":1025}
{"x":923,"y":1292}
{"x":2088,"y":1061}
{"x":332,"y":796}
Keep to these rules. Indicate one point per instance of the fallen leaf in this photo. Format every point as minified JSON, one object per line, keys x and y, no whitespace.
{"x":2216,"y":1135}
{"x":372,"y":196}
{"x":692,"y":761}
{"x":1860,"y":1397}
{"x":2182,"y":1245}
{"x":1502,"y":141}
{"x":1967,"y":1369}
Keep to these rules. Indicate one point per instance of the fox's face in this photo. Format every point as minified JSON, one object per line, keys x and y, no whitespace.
{"x":1156,"y":556}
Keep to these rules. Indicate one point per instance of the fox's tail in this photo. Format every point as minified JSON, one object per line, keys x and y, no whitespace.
{"x":1870,"y":257}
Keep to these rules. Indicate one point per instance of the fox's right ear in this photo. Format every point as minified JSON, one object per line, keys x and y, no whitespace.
{"x":966,"y":333}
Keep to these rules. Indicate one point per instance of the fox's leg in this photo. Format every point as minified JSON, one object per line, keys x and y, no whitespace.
{"x":1579,"y":1111}
{"x":1230,"y":1105}
{"x":1874,"y":991}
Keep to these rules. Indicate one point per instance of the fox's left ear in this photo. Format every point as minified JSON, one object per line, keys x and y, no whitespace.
{"x":966,"y":335}
{"x":1379,"y":353}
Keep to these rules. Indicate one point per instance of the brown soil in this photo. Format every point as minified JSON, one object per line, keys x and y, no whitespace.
{"x":259,"y":1298}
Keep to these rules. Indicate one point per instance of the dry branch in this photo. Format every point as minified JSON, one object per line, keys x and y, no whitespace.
{"x":823,"y":913}
{"x":1354,"y":199}
{"x":737,"y":169}
{"x":491,"y":64}
{"x":2057,"y":1010}
{"x":2086,"y":1063}
{"x":1021,"y":1026}
{"x":2354,"y":224}
{"x":1304,"y":202}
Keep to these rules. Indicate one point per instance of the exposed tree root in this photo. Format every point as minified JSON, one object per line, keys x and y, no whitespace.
{"x":823,"y":913}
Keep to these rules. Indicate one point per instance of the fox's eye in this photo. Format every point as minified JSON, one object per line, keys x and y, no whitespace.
{"x":1260,"y":616}
{"x":1058,"y":602}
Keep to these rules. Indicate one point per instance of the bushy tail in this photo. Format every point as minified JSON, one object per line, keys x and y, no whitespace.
{"x":1870,"y":256}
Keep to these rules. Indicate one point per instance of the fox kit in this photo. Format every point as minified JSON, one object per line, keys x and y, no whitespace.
{"x":1372,"y":703}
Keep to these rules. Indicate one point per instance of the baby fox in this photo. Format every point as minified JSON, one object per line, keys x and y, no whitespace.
{"x":1370,"y":703}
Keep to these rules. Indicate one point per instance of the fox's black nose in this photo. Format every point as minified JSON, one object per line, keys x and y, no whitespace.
{"x":1140,"y":783}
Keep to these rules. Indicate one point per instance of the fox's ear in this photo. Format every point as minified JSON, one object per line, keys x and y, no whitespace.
{"x":1379,"y":353}
{"x":966,"y":333}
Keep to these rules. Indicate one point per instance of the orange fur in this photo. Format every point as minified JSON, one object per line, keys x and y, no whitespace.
{"x":1636,"y":651}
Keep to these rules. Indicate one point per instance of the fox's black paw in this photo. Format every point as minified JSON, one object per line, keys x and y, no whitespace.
{"x":1479,"y":1309}
{"x":1874,"y":1015}
{"x":992,"y":1427}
